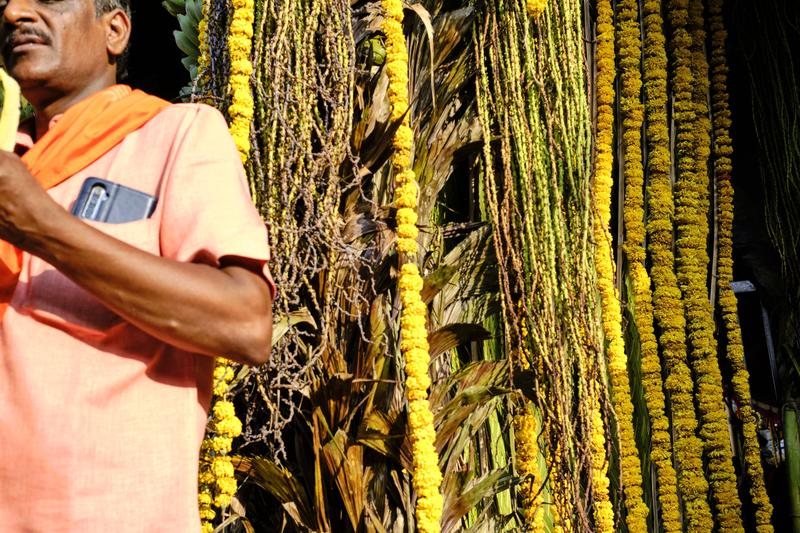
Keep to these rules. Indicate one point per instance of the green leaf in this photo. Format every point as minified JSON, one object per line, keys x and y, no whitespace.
{"x":175,"y":7}
{"x":281,"y":484}
{"x":454,"y":335}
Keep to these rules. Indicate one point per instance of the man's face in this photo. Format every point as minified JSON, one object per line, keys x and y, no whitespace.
{"x":54,"y":43}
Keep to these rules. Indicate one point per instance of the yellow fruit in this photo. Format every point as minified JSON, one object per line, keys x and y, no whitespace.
{"x":9,"y":117}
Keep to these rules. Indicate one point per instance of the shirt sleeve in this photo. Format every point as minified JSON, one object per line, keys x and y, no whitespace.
{"x":208,"y":215}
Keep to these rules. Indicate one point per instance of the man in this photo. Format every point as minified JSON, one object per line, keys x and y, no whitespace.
{"x":108,"y":338}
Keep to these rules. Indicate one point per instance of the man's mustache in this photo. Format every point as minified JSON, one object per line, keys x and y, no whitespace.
{"x":22,"y":33}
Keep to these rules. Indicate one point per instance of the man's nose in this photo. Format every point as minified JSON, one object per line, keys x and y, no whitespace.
{"x":18,"y":11}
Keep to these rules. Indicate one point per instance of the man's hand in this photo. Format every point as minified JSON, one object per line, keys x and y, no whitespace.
{"x":198,"y":308}
{"x":23,"y":202}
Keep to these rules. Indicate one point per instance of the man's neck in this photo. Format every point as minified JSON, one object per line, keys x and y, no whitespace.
{"x":46,"y":108}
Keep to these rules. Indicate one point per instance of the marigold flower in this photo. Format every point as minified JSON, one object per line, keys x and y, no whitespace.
{"x":690,"y":88}
{"x":723,"y":149}
{"x":610,"y":305}
{"x":535,"y":7}
{"x":629,"y":46}
{"x":413,"y":330}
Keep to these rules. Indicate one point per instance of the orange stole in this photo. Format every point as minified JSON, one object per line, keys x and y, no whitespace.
{"x":86,"y":132}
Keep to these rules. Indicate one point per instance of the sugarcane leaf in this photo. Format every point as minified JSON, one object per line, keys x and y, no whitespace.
{"x":488,"y":374}
{"x":332,"y":395}
{"x":345,"y":463}
{"x":377,"y":147}
{"x":425,"y":17}
{"x":464,"y":416}
{"x":385,"y":433}
{"x":463,"y":259}
{"x":475,"y":492}
{"x":454,"y":335}
{"x":359,"y":225}
{"x":374,"y":519}
{"x":280,"y":483}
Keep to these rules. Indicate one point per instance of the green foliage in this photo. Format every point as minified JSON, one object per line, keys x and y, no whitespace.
{"x":326,"y":444}
{"x":189,"y":13}
{"x":175,"y":7}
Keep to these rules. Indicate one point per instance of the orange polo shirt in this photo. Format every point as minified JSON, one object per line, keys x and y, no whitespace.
{"x":101,"y":424}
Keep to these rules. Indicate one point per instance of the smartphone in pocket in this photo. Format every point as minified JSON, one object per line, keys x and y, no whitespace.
{"x":105,"y":201}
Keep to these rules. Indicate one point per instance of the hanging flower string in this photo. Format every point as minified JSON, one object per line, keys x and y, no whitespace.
{"x":690,"y":84}
{"x":526,"y":438}
{"x":202,"y":37}
{"x":240,"y":43}
{"x":612,"y":318}
{"x":629,"y":46}
{"x":667,"y":300}
{"x":723,"y":149}
{"x":217,"y":482}
{"x":603,"y":508}
{"x":414,"y":344}
{"x":526,"y":434}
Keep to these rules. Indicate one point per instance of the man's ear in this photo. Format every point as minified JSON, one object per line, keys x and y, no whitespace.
{"x":118,"y":32}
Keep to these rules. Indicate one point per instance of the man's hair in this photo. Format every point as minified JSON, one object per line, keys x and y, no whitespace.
{"x":104,"y":6}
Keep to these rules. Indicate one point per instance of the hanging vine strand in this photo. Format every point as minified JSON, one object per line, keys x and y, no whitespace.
{"x":299,"y":167}
{"x":531,"y":93}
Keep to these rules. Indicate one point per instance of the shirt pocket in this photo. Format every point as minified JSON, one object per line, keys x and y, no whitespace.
{"x":52,"y":298}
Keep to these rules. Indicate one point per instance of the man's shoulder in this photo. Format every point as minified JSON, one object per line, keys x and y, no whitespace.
{"x":185,"y":132}
{"x":188,"y":115}
{"x":185,"y":126}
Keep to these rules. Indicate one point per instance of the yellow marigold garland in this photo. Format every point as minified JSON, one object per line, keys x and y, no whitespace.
{"x":240,"y":42}
{"x":202,"y":37}
{"x":535,"y":7}
{"x":690,"y":83}
{"x":414,"y":344}
{"x":629,"y":47}
{"x":723,"y":149}
{"x":206,"y":474}
{"x":217,"y":482}
{"x":612,"y":317}
{"x":603,"y":508}
{"x":526,"y":434}
{"x":527,"y":453}
{"x":667,"y":301}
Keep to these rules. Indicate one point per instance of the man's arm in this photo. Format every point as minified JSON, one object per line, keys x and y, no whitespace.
{"x":199,"y":308}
